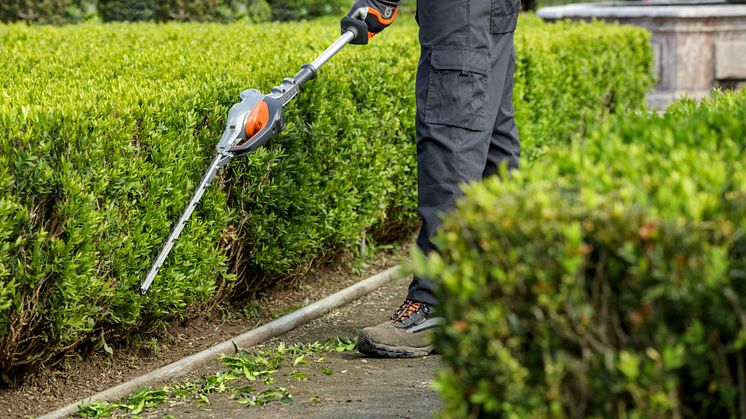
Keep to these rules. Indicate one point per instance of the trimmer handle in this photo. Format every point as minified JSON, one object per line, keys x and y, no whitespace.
{"x":356,"y":26}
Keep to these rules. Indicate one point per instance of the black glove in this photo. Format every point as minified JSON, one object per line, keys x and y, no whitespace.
{"x":377,"y":14}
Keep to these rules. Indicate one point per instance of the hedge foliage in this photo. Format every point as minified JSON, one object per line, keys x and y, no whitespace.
{"x":105,"y":129}
{"x":608,"y":280}
{"x":571,"y":75}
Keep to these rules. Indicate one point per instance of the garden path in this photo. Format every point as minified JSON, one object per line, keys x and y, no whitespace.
{"x":344,"y":384}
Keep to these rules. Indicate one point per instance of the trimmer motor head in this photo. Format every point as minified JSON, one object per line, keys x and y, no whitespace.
{"x":251,"y":123}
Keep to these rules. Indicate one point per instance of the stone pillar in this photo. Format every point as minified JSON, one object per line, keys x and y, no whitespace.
{"x":696,"y":47}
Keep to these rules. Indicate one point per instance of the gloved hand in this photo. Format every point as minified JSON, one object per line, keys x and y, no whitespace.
{"x":377,"y":14}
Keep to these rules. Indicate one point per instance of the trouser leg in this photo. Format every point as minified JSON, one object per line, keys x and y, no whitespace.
{"x":505,"y":147}
{"x":462,"y":81}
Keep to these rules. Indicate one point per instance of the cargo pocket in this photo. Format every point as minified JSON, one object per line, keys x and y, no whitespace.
{"x":504,"y":15}
{"x":457,"y":88}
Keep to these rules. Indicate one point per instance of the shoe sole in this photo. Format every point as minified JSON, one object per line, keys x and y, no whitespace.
{"x":368,"y":347}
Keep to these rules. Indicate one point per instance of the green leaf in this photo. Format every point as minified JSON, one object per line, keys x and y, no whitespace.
{"x":299,"y":375}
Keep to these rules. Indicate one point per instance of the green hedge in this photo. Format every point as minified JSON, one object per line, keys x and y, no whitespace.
{"x":608,"y":280}
{"x":568,"y":78}
{"x":104,"y":130}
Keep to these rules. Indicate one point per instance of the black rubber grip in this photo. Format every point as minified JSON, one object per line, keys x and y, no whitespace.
{"x":359,"y":27}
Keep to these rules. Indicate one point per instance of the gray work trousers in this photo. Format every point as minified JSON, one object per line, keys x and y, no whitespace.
{"x":465,"y":125}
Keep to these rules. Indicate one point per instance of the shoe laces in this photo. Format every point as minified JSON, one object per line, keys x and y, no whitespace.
{"x":406,"y":310}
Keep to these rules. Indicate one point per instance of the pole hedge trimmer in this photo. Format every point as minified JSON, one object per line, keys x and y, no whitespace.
{"x":251,"y":123}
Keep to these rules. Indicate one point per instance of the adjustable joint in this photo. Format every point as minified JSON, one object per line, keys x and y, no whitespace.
{"x":307,"y":72}
{"x":286,"y":91}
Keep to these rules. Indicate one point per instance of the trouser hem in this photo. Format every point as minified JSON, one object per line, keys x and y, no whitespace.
{"x":423,"y":296}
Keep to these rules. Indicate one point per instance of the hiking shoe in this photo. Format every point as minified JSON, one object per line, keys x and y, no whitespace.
{"x":406,"y":335}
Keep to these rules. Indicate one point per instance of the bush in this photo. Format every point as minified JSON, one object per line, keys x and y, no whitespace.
{"x":105,"y":129}
{"x":46,"y":11}
{"x":184,"y":10}
{"x":304,"y":9}
{"x":609,"y":280}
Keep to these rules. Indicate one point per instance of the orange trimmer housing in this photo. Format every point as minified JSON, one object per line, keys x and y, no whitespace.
{"x":258,"y":119}
{"x":251,"y":123}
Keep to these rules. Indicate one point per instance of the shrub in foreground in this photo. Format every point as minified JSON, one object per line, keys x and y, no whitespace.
{"x":609,"y":280}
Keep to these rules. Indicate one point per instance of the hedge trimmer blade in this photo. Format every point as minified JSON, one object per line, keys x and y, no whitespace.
{"x":218,"y":163}
{"x":251,"y":123}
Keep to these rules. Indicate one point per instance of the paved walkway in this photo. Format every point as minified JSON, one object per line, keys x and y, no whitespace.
{"x":353,"y":386}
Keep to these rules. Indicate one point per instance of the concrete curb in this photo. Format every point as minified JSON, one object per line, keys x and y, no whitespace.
{"x":251,"y":338}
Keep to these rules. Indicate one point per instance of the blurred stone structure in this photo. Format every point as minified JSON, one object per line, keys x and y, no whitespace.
{"x":696,"y":45}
